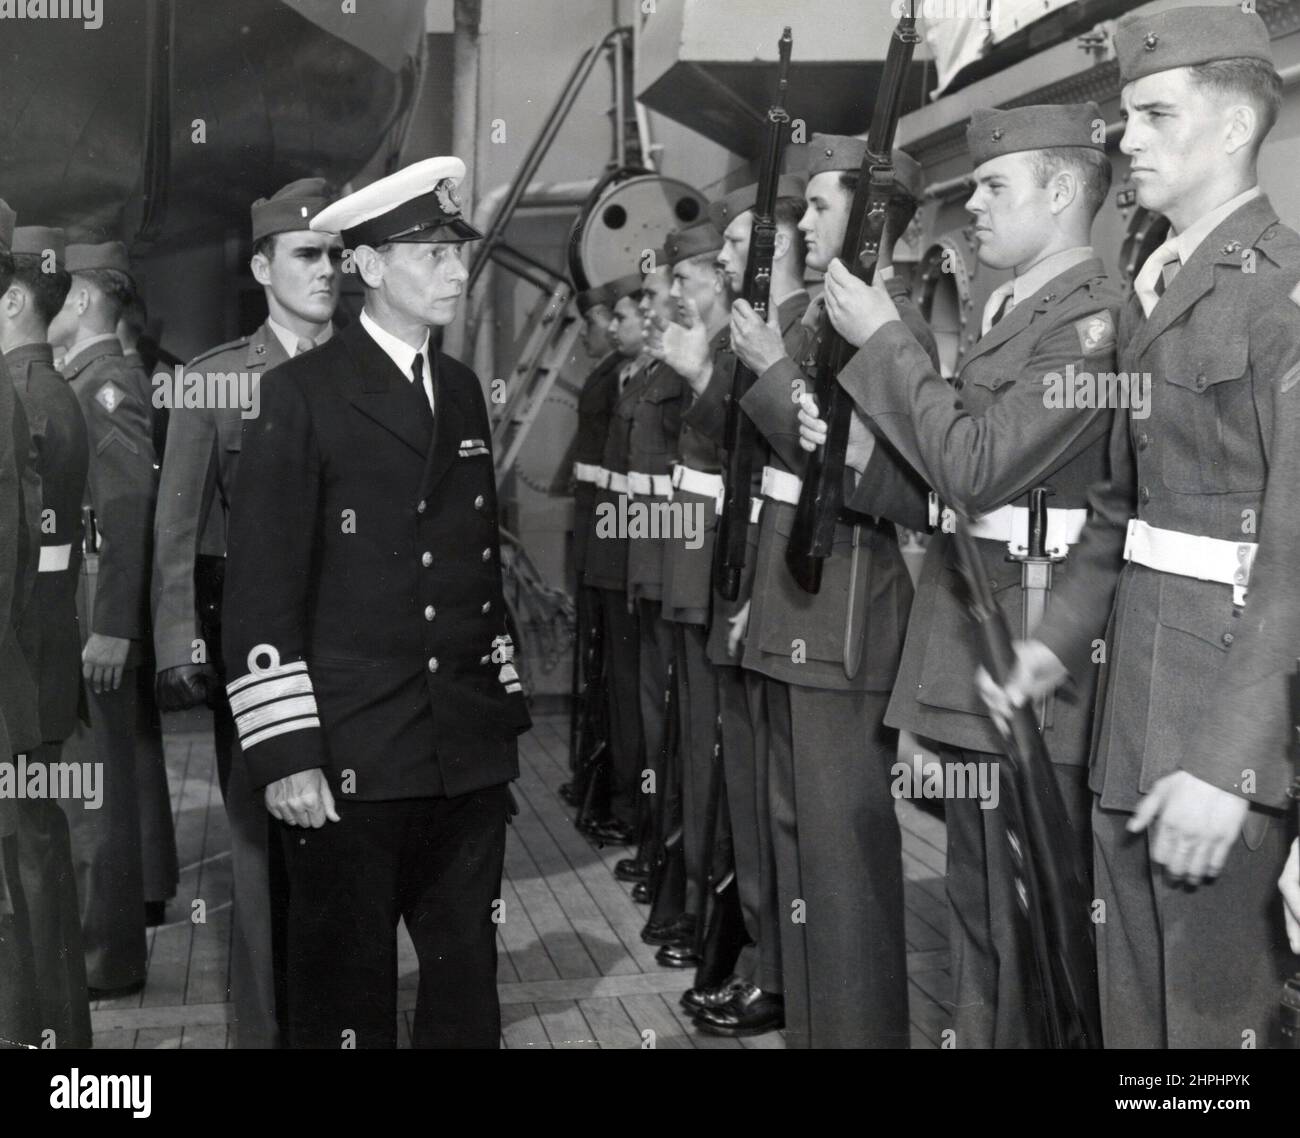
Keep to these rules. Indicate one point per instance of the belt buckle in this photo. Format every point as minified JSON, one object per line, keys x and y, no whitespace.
{"x":1241,"y":578}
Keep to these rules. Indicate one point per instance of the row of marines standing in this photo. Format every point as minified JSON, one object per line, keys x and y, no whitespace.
{"x":1184,"y":676}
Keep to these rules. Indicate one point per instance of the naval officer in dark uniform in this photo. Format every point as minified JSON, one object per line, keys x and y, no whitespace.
{"x":368,"y":650}
{"x":299,"y":273}
{"x":50,"y":637}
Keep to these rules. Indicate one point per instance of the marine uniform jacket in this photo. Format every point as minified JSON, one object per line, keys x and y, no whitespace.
{"x":607,"y":551}
{"x":848,"y":635}
{"x":121,"y":485}
{"x":652,"y":449}
{"x":365,"y":629}
{"x":18,"y":695}
{"x":788,"y":314}
{"x":198,"y":472}
{"x":981,"y":443}
{"x":688,"y":573}
{"x":62,"y":458}
{"x":1193,"y":682}
{"x":595,"y":406}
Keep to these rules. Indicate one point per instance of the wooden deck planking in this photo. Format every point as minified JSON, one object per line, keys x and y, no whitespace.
{"x":573,"y":971}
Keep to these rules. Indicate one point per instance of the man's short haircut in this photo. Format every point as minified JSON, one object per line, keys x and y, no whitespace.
{"x":703,"y":260}
{"x":6,"y":269}
{"x":1090,"y":166}
{"x":114,"y":285}
{"x":265,"y":246}
{"x":48,"y":290}
{"x":788,"y":212}
{"x":136,"y":314}
{"x":1251,"y":79}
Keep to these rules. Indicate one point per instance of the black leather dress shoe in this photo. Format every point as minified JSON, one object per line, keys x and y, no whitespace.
{"x":641,"y":893}
{"x":611,"y":832}
{"x":697,"y":999}
{"x":631,"y":869}
{"x":115,"y":993}
{"x":751,"y":1011}
{"x":679,"y":955}
{"x":155,"y":914}
{"x":569,"y":793}
{"x":679,"y":930}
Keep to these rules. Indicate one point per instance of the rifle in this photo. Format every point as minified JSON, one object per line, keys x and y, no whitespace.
{"x":813,"y":534}
{"x":1051,"y":881}
{"x":739,"y":433}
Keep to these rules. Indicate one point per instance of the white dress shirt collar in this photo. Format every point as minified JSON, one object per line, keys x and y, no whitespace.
{"x":289,"y":340}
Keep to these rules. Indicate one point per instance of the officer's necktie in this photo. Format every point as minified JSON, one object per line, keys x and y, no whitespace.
{"x":304,"y":345}
{"x":1155,"y":275}
{"x":997,"y":306}
{"x":421,"y":396}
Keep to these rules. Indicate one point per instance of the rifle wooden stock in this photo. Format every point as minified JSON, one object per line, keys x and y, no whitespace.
{"x":812,"y":536}
{"x":739,"y":435}
{"x":1052,"y":882}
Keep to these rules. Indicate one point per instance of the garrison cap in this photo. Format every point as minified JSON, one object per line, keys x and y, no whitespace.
{"x":620,"y":287}
{"x":844,"y":153}
{"x":725,"y":210}
{"x":7,"y":219}
{"x":291,"y":207}
{"x":37,"y":240}
{"x":692,"y":241}
{"x":992,"y":133}
{"x":417,"y":204}
{"x":107,"y":255}
{"x":1183,"y":37}
{"x":591,"y":298}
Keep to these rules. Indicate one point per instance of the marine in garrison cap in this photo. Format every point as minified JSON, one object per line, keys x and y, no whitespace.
{"x":369,"y":654}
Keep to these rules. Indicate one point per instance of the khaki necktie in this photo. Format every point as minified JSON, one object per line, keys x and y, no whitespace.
{"x":1155,"y":275}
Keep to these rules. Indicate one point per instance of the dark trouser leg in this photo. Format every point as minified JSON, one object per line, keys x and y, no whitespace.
{"x":343,"y":909}
{"x":768,"y":976}
{"x":738,"y":772}
{"x":850,"y":858}
{"x":159,"y":866}
{"x":623,"y":683}
{"x":992,"y":971}
{"x":106,"y":841}
{"x":50,"y":886}
{"x":656,"y":652}
{"x":1184,"y":967}
{"x":699,"y":728}
{"x":452,"y":858}
{"x":20,"y":1019}
{"x":791,"y":901}
{"x":253,"y":974}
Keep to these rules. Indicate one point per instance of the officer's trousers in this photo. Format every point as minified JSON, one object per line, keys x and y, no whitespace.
{"x":106,"y":841}
{"x":622,"y":670}
{"x":435,"y":863}
{"x":839,"y":867}
{"x":50,"y":886}
{"x":159,"y":864}
{"x":993,"y":980}
{"x":1182,"y":967}
{"x":698,"y":719}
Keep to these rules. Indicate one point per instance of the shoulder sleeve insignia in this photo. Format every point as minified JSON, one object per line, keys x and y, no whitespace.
{"x":110,"y":397}
{"x":1096,"y":333}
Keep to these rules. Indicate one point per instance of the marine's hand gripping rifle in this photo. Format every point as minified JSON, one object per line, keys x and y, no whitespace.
{"x":738,"y":437}
{"x":813,"y":534}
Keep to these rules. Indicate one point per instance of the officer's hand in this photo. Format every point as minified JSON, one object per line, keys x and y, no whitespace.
{"x":302,"y":799}
{"x":757,"y":343}
{"x":736,"y":633}
{"x":1037,"y":671}
{"x":857,"y":310}
{"x":177,"y":689}
{"x":1194,"y":823}
{"x":683,"y":347}
{"x":103,"y":660}
{"x":1289,"y":884}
